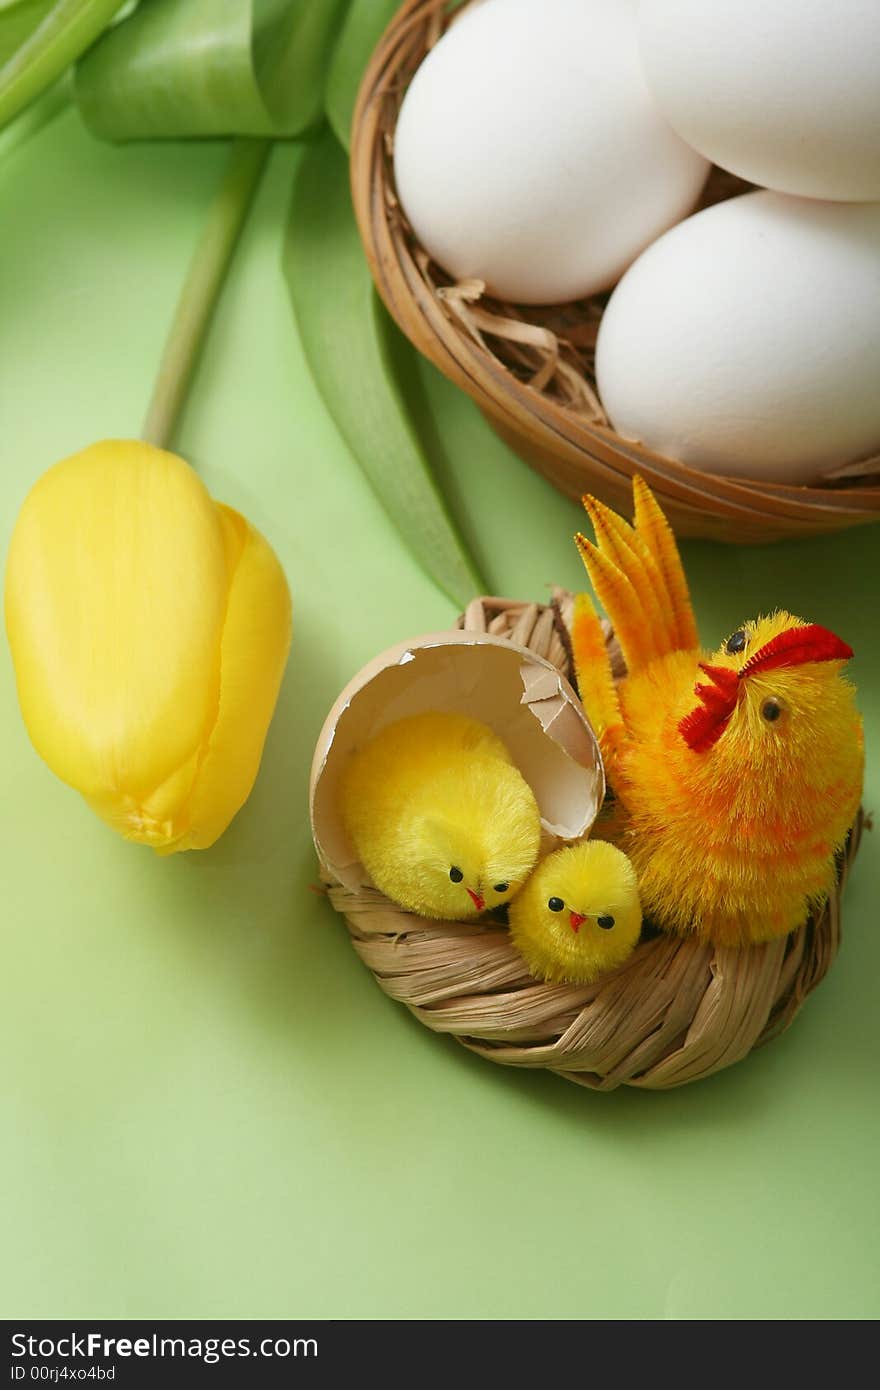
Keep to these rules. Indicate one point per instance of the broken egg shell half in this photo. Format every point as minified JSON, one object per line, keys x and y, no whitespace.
{"x":526,"y":700}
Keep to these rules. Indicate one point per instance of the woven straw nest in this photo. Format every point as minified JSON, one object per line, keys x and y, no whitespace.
{"x":531,"y":370}
{"x":677,"y":1011}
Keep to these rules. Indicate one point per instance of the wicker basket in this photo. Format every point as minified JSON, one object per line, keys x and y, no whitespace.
{"x":676,"y":1011}
{"x":531,"y":370}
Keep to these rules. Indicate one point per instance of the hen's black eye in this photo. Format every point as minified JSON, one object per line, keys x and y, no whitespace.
{"x":501,"y":887}
{"x":606,"y":921}
{"x":736,"y":643}
{"x":556,"y":904}
{"x":456,"y":874}
{"x":771,"y":710}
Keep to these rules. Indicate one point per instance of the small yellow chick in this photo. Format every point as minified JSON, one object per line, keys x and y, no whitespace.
{"x":442,"y":821}
{"x":578,"y":915}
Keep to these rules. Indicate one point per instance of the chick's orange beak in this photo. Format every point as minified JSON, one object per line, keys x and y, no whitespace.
{"x":576,"y":919}
{"x":477,"y":899}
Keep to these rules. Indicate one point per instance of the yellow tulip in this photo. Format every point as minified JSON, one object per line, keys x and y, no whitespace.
{"x":149,"y":628}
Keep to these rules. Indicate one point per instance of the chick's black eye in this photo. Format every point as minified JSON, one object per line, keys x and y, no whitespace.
{"x":771,"y":710}
{"x":736,"y":643}
{"x":456,"y":874}
{"x":606,"y":921}
{"x":501,"y":887}
{"x":556,"y":904}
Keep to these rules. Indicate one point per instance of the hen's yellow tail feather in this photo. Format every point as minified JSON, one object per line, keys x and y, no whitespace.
{"x":618,"y":597}
{"x":637,"y":574}
{"x":623,"y":545}
{"x":596,"y":684}
{"x":651,"y":525}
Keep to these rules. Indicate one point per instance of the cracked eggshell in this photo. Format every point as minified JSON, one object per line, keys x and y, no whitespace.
{"x":527,"y":702}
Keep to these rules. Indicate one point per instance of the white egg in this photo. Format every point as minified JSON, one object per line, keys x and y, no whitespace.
{"x":785,"y":93}
{"x":745,"y":341}
{"x":528,"y":151}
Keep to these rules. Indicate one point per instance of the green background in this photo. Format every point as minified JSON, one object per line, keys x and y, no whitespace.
{"x":208,"y":1107}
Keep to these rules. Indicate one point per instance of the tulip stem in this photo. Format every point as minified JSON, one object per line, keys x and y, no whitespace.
{"x":201,"y":288}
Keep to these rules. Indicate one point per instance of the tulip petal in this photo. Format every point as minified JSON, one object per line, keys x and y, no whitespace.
{"x":116,"y":588}
{"x":255,"y":643}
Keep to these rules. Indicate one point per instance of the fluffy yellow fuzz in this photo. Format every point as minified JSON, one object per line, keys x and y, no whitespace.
{"x":578,"y":915}
{"x":442,"y":821}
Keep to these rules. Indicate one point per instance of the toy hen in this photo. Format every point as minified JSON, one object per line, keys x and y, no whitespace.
{"x":442,"y":821}
{"x":737,"y":775}
{"x":579,"y":913}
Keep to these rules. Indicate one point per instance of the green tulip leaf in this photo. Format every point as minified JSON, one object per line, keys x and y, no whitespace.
{"x":18,"y":20}
{"x":365,"y":25}
{"x":350,"y":343}
{"x":178,"y":68}
{"x":39,"y":39}
{"x":38,"y":114}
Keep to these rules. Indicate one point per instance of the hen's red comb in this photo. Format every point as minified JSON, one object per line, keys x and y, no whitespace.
{"x":796,"y":646}
{"x":706,"y":723}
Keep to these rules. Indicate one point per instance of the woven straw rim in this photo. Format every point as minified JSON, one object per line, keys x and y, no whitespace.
{"x":529,"y":369}
{"x":676,"y":1011}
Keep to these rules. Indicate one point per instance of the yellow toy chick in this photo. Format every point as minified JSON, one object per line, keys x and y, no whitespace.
{"x":442,"y":821}
{"x":736,"y":775}
{"x":578,"y":915}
